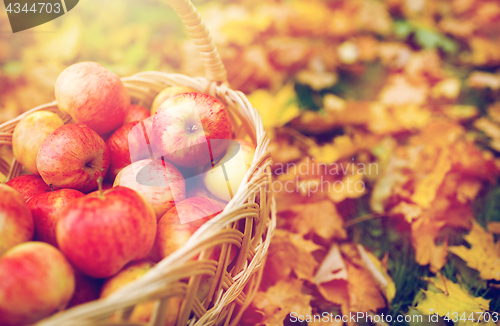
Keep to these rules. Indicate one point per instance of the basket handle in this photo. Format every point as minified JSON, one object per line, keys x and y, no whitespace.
{"x":199,"y":33}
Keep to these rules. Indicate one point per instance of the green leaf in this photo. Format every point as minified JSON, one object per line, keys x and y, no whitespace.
{"x":402,"y":28}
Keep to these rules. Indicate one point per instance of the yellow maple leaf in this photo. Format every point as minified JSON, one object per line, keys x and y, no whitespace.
{"x":445,"y":296}
{"x":484,"y":254}
{"x":281,"y":299}
{"x":244,"y":31}
{"x":427,"y":188}
{"x":277,"y":109}
{"x":341,"y":147}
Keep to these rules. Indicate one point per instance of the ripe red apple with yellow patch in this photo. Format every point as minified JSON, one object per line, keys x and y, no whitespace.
{"x":92,"y":95}
{"x":167,"y":93}
{"x":73,"y":156}
{"x":128,"y":144}
{"x":136,"y":113}
{"x":29,"y":134}
{"x":28,"y":185}
{"x":173,"y":234}
{"x":190,"y":129}
{"x":36,"y":281}
{"x":158,"y":182}
{"x":46,"y":210}
{"x":102,"y":232}
{"x":16,"y":222}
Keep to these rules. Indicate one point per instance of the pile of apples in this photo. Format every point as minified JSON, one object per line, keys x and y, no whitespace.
{"x":108,"y":196}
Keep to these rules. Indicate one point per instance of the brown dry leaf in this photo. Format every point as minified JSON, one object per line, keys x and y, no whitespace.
{"x":394,"y":54}
{"x":423,"y":236}
{"x":332,"y":267}
{"x":358,"y":294}
{"x":289,"y":53}
{"x":351,"y":186}
{"x":280,"y":300}
{"x":289,"y":253}
{"x":494,"y":227}
{"x":484,"y":254}
{"x":484,"y":51}
{"x":317,"y":122}
{"x":321,"y":218}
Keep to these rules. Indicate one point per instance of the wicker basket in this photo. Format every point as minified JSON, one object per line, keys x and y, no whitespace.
{"x":247,"y":222}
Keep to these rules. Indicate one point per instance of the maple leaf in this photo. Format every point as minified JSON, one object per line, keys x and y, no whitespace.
{"x":379,"y":273}
{"x":426,"y":188}
{"x":289,"y":253}
{"x":281,"y":299}
{"x":341,"y":147}
{"x":423,"y":236}
{"x":358,"y":293}
{"x":276,"y":109}
{"x":321,"y":218}
{"x":332,"y":267}
{"x":443,"y":296}
{"x":484,"y":254}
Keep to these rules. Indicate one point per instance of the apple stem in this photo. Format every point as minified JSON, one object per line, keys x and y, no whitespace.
{"x":99,"y":184}
{"x":51,"y":187}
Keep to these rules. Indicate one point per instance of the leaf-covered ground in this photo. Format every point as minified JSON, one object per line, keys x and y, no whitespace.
{"x":385,"y":125}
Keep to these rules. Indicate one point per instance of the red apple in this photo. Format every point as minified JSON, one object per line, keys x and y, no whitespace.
{"x":136,"y":113}
{"x":28,"y":185}
{"x":86,"y":289}
{"x":189,"y":129}
{"x":172,"y":234}
{"x":46,"y":210}
{"x":126,"y":143}
{"x":93,"y":95}
{"x":101,"y":232}
{"x":16,"y":223}
{"x":73,"y":156}
{"x":167,"y":93}
{"x":157,"y":181}
{"x":35,"y":282}
{"x":29,"y":134}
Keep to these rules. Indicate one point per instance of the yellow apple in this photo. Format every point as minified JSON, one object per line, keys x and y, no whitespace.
{"x":30,"y":133}
{"x":235,"y":164}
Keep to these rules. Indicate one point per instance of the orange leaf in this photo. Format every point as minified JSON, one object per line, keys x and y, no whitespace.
{"x":289,"y":253}
{"x":424,"y":233}
{"x":280,"y":300}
